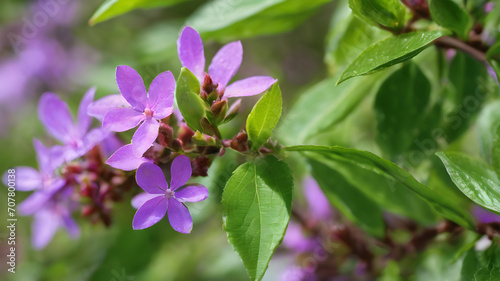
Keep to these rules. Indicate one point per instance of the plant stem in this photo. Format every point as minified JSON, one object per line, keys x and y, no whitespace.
{"x":450,"y":42}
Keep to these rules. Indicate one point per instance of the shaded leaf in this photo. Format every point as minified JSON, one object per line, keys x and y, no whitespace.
{"x":487,"y":124}
{"x":113,"y":8}
{"x":388,"y":13}
{"x":399,"y":104}
{"x":321,"y":107}
{"x":353,"y":204}
{"x":229,"y":20}
{"x":370,"y":161}
{"x":450,"y":15}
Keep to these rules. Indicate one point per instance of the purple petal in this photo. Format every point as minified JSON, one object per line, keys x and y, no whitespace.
{"x":141,"y":198}
{"x":124,"y":159}
{"x":45,"y":224}
{"x":101,"y":107}
{"x":161,"y":95}
{"x":83,"y":119}
{"x":180,"y":172}
{"x":150,"y":213}
{"x":226,"y":63}
{"x":484,"y":215}
{"x":43,"y":157}
{"x":318,"y":204}
{"x":71,"y":226}
{"x":145,"y":136}
{"x":179,"y":217}
{"x":91,"y":139}
{"x":151,"y":179}
{"x":294,"y":239}
{"x":26,"y":179}
{"x":131,"y":86}
{"x":190,"y":50}
{"x":193,"y":193}
{"x":56,"y":117}
{"x":249,"y":86}
{"x":110,"y":144}
{"x":37,"y":200}
{"x":122,"y":119}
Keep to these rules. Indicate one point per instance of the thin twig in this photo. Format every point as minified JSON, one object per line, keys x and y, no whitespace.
{"x":450,"y":42}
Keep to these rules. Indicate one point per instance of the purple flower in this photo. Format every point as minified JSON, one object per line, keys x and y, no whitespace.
{"x":28,"y":178}
{"x":484,"y":215}
{"x":296,"y":240}
{"x":76,"y":137}
{"x":54,"y":213}
{"x":159,"y":199}
{"x":145,"y":108}
{"x":318,"y":204}
{"x":224,"y":65}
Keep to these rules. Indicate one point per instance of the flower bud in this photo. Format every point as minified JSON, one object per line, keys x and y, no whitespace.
{"x":218,"y":110}
{"x":166,"y":135}
{"x":201,"y":165}
{"x":240,"y":142}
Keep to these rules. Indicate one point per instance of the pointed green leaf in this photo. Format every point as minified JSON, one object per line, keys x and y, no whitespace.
{"x":353,"y":204}
{"x":264,"y":117}
{"x":257,"y":202}
{"x":190,"y":104}
{"x":450,"y":15}
{"x":390,"y":51}
{"x":113,"y":8}
{"x":399,"y":104}
{"x":474,"y":178}
{"x":372,"y":162}
{"x":388,"y":13}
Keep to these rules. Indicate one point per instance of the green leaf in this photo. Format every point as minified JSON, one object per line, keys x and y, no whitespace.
{"x":399,"y":105}
{"x":376,"y":185}
{"x":474,"y":178}
{"x":495,"y":64}
{"x":348,"y":37}
{"x":257,"y":202}
{"x":370,"y":161}
{"x":321,"y":107}
{"x":264,"y":117}
{"x":487,"y":124}
{"x":113,"y":8}
{"x":481,"y":266}
{"x":495,"y":155}
{"x":229,"y":20}
{"x":353,"y":204}
{"x":388,"y":13}
{"x":471,"y":86}
{"x":450,"y":15}
{"x":390,"y":51}
{"x":494,"y":52}
{"x":190,"y":104}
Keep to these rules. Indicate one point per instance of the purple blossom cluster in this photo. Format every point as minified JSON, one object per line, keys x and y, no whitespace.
{"x":88,"y":168}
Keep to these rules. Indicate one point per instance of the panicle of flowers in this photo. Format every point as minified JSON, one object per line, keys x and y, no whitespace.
{"x":75,"y":173}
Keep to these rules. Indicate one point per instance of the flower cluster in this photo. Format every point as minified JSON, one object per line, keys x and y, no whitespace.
{"x":88,"y":168}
